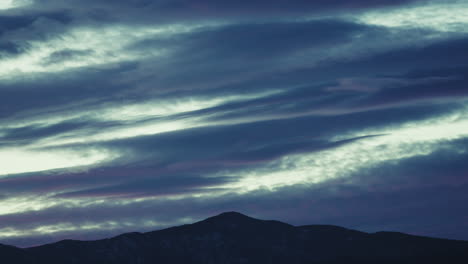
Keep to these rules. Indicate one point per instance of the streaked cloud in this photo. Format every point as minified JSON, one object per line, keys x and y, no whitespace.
{"x":371,"y":149}
{"x":83,"y":47}
{"x":15,"y":160}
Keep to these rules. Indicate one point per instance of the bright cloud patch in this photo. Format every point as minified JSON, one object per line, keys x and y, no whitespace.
{"x":16,"y":161}
{"x":9,"y":4}
{"x":445,"y":16}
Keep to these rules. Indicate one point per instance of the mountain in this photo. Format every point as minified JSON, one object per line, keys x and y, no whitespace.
{"x":10,"y":254}
{"x":232,"y":238}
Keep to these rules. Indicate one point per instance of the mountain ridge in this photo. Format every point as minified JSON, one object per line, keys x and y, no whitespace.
{"x":232,"y":237}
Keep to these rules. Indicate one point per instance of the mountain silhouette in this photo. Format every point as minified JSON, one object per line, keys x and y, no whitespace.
{"x":233,"y":238}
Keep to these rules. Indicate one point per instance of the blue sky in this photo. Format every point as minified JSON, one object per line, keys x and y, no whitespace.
{"x":120,"y":116}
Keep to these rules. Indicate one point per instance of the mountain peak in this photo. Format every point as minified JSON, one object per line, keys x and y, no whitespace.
{"x":232,"y":214}
{"x":231,"y":217}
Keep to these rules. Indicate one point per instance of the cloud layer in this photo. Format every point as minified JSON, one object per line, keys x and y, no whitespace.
{"x":123,"y":116}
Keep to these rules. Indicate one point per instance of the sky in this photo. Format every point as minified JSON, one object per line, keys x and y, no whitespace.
{"x":135,"y":115}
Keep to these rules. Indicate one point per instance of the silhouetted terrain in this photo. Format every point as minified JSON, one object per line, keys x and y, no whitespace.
{"x":236,"y":238}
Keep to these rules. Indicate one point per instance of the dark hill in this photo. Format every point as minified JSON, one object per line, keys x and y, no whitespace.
{"x":236,"y":238}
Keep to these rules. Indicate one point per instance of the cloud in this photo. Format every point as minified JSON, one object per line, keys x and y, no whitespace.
{"x":182,"y":10}
{"x":444,"y":16}
{"x":14,"y":160}
{"x":11,"y":4}
{"x":152,"y":187}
